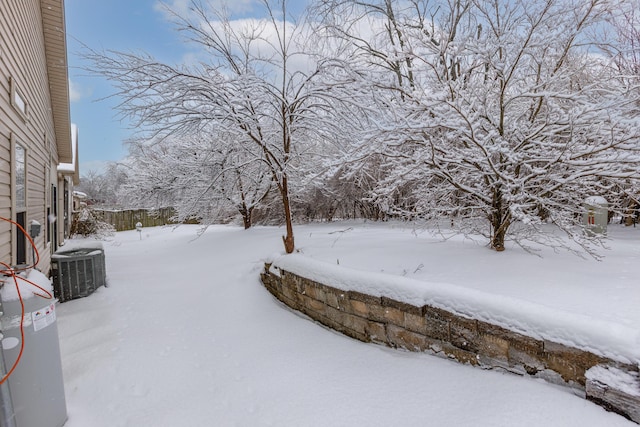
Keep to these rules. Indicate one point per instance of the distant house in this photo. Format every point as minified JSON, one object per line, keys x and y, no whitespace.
{"x":36,"y":145}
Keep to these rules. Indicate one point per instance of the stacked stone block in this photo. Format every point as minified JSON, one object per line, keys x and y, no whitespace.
{"x":430,"y":329}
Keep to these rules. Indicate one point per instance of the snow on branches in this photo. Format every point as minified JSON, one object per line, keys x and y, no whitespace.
{"x":504,"y":113}
{"x":498,"y":116}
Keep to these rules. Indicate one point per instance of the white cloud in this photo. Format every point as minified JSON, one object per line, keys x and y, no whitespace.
{"x":264,"y":35}
{"x":75,"y":92}
{"x":191,"y":58}
{"x":248,"y":20}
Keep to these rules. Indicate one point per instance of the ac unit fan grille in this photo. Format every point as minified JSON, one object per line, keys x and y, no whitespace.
{"x":78,"y":273}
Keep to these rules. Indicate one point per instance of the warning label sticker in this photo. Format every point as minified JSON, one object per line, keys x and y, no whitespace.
{"x":44,"y":317}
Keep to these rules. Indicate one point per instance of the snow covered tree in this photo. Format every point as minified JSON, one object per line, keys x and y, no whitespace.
{"x":254,"y":82}
{"x":198,"y":176}
{"x":94,"y":185}
{"x":625,"y":56}
{"x":626,"y":24}
{"x":102,"y":188}
{"x":495,"y":111}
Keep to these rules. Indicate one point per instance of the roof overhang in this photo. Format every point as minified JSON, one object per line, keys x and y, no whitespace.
{"x":72,"y":169}
{"x":55,"y":42}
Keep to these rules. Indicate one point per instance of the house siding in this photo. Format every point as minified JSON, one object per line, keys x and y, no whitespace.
{"x":23,"y":64}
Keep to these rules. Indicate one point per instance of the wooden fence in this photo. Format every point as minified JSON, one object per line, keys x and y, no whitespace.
{"x":123,"y":220}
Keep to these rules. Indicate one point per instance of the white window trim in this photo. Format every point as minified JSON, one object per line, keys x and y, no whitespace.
{"x":47,"y":207}
{"x":14,"y":208}
{"x":19,"y":101}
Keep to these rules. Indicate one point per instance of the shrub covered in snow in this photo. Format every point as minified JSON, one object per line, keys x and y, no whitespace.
{"x":86,"y":223}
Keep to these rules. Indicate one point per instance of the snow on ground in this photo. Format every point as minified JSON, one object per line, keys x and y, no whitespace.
{"x":606,"y":290}
{"x":185,"y":334}
{"x":485,"y":298}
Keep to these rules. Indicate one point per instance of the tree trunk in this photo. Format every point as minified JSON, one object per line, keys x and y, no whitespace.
{"x":244,"y":210}
{"x":498,"y":235}
{"x":500,"y":222}
{"x":246,"y":217}
{"x":289,"y":245}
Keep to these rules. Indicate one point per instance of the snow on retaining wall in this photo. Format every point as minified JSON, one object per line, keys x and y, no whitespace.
{"x":451,"y":321}
{"x":607,"y":339}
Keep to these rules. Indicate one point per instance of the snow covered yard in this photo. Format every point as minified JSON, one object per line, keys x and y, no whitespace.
{"x":185,"y":335}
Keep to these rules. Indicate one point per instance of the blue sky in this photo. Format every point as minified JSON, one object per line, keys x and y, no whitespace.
{"x":120,"y":25}
{"x":124,"y":25}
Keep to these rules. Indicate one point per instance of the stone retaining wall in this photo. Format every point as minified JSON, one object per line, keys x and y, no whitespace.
{"x":429,"y":329}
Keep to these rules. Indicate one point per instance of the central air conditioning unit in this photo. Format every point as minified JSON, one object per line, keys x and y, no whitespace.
{"x":78,"y":272}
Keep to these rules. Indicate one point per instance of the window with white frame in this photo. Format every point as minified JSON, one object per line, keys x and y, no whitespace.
{"x":20,"y":171}
{"x":20,"y":200}
{"x":18,"y":101}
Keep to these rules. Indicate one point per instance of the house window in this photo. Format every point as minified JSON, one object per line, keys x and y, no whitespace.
{"x":48,"y":222}
{"x":21,"y":177}
{"x":21,"y":239}
{"x":54,"y":218}
{"x":48,"y":203}
{"x":20,"y":201}
{"x":66,"y":208}
{"x":18,"y":101}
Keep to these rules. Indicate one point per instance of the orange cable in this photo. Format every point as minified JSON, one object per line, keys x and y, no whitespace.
{"x":15,"y":364}
{"x":11,"y":272}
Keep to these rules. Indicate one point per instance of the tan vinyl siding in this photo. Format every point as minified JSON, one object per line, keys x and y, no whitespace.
{"x":5,"y":239}
{"x":5,"y":192}
{"x":36,"y":197}
{"x":23,"y":63}
{"x":5,"y":177}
